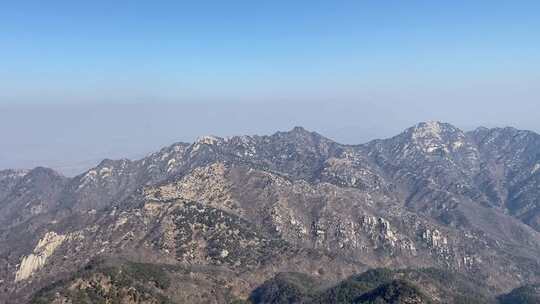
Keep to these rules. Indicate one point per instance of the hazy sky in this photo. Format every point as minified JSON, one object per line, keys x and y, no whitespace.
{"x":83,"y":80}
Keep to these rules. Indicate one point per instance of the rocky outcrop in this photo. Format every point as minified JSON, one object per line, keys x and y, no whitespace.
{"x":37,"y":259}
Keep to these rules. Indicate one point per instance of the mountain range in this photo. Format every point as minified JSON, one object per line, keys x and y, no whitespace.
{"x":432,"y":215}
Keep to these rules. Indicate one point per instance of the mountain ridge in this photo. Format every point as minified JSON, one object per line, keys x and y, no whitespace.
{"x":431,"y":196}
{"x":295,"y":129}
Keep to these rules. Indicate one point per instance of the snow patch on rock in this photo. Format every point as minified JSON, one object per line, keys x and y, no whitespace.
{"x":171,"y":164}
{"x":456,"y":145}
{"x":535,"y":168}
{"x":105,"y":172}
{"x":224,"y":253}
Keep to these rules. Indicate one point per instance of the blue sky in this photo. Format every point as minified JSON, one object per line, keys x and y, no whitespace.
{"x":85,"y":80}
{"x":123,"y":51}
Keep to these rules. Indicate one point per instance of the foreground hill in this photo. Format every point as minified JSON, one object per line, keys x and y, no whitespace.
{"x":237,"y":211}
{"x":127,"y":282}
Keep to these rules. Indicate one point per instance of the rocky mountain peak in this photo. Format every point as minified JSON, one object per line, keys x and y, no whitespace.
{"x":435,"y":136}
{"x":304,"y":140}
{"x":480,"y":130}
{"x":113,"y":163}
{"x":208,"y":140}
{"x":299,"y":130}
{"x":42,"y":173}
{"x":485,"y":135}
{"x":432,"y":129}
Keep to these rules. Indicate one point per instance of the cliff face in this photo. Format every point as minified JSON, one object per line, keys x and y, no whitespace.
{"x":36,"y":260}
{"x":249,"y":207}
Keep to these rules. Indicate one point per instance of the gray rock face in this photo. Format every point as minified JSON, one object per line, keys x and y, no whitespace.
{"x":293,"y":201}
